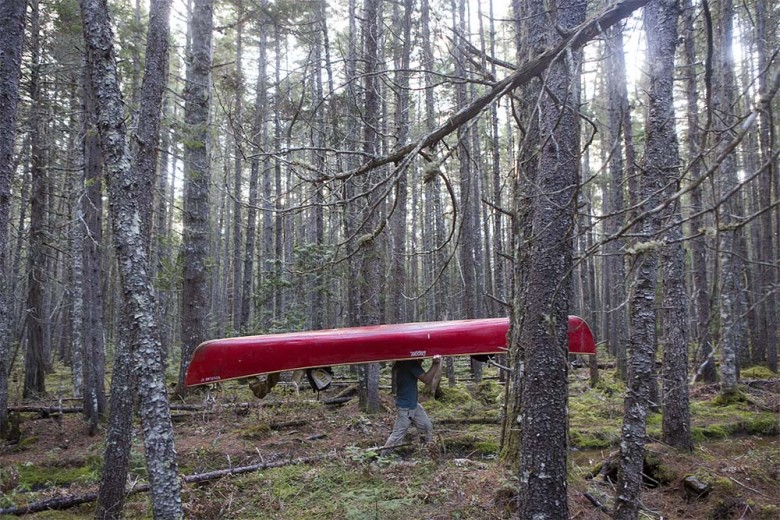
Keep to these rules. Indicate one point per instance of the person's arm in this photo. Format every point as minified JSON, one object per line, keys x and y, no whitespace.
{"x":432,"y":372}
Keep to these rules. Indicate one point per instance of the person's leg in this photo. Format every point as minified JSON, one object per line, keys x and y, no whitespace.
{"x":403,"y":421}
{"x":423,"y":424}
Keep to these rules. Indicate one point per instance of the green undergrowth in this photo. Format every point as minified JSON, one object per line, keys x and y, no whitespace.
{"x":355,"y":483}
{"x":757,"y":372}
{"x":596,"y":414}
{"x":459,"y":402}
{"x":339,"y":489}
{"x":39,"y":477}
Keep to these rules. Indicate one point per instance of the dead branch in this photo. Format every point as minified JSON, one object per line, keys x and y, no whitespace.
{"x":469,"y":420}
{"x":45,"y":411}
{"x":337,"y":400}
{"x":575,"y":40}
{"x":61,"y":503}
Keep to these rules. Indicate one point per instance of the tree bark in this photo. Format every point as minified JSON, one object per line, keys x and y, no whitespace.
{"x":93,"y":323}
{"x":769,"y":242}
{"x":371,"y":274}
{"x":468,"y":230}
{"x":259,"y":137}
{"x":699,"y":277}
{"x":402,"y":16}
{"x":238,"y":136}
{"x":35,"y":354}
{"x":616,"y":327}
{"x":128,"y":237}
{"x":195,"y":253}
{"x":730,"y":289}
{"x":660,"y":161}
{"x":676,"y":421}
{"x":12,"y":19}
{"x":527,"y":42}
{"x":543,"y":436}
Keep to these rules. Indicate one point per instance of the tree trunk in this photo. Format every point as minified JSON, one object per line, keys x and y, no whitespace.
{"x":731,"y":306}
{"x":660,"y":161}
{"x":543,"y":437}
{"x":371,"y":274}
{"x":12,"y":18}
{"x":36,"y":319}
{"x":236,"y":286}
{"x":93,"y":323}
{"x":769,"y":242}
{"x":398,"y":258}
{"x":130,"y":244}
{"x":527,"y":42}
{"x":616,"y":327}
{"x":259,"y":137}
{"x":701,"y":291}
{"x":676,"y":422}
{"x":195,"y":254}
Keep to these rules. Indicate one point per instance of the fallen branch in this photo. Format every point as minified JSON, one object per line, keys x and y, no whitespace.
{"x":337,"y":400}
{"x":45,"y":410}
{"x":52,"y":409}
{"x":573,"y":41}
{"x":288,"y":424}
{"x":469,"y":420}
{"x":596,"y":503}
{"x":67,"y":502}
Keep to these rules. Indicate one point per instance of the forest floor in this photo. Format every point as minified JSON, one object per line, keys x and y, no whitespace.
{"x":334,"y":473}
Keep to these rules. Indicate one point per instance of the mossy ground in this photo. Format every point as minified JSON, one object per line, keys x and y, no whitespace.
{"x":460,"y":477}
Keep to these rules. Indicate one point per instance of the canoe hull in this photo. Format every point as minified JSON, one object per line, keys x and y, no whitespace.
{"x":234,"y":358}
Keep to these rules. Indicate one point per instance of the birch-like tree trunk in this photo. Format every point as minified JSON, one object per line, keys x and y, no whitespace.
{"x":660,"y":160}
{"x":139,"y":329}
{"x":77,"y":302}
{"x":12,"y":19}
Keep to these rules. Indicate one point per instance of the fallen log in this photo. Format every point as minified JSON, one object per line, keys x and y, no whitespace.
{"x":66,"y":502}
{"x":469,"y":420}
{"x":51,"y":410}
{"x":52,"y":504}
{"x":337,"y":400}
{"x":45,"y":410}
{"x":288,"y":424}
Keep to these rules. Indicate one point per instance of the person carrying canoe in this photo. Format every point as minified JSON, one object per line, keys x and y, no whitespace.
{"x":410,"y":411}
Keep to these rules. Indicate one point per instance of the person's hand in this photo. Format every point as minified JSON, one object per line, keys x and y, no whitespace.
{"x":436,"y":360}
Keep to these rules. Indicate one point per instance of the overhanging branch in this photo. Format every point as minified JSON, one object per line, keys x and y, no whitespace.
{"x":575,"y":40}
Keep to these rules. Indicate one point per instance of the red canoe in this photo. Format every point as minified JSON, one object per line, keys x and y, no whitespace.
{"x":234,"y":358}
